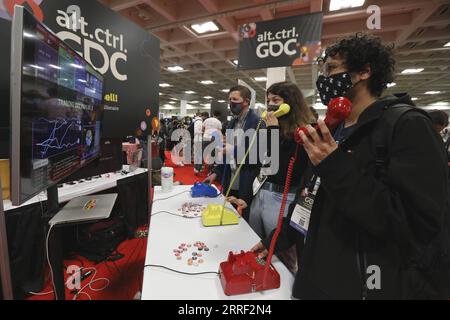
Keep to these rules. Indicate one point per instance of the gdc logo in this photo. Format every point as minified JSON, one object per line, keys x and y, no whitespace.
{"x":275,"y":48}
{"x":78,"y":31}
{"x":37,"y":11}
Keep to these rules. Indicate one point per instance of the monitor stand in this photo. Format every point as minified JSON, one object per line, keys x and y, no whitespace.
{"x":5,"y":271}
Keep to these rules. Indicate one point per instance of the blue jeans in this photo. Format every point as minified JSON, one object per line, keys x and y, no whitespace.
{"x":265,"y":209}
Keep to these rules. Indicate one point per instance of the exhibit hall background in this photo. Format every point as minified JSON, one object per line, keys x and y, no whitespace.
{"x":126,"y":54}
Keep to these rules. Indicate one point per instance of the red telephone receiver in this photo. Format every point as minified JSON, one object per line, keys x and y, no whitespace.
{"x":338,"y":109}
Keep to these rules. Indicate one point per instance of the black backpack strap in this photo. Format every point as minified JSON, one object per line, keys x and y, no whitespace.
{"x":384,"y":132}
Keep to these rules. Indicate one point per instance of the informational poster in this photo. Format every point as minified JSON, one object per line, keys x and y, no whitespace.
{"x":284,"y":42}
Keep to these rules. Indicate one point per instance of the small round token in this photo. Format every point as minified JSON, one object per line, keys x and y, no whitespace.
{"x":194,"y":258}
{"x":179,"y":258}
{"x":206,"y":249}
{"x":200,"y":261}
{"x":199,"y":254}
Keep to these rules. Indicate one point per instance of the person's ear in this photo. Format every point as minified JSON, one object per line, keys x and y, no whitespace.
{"x":366,"y":72}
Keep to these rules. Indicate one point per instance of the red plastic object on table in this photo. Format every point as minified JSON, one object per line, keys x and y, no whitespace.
{"x":338,"y":109}
{"x":244,"y":273}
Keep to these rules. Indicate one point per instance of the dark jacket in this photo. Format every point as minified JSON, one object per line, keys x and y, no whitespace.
{"x":393,"y":222}
{"x":249,"y":171}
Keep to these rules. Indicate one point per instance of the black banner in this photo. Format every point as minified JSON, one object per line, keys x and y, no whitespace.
{"x":126,"y":54}
{"x":291,"y":41}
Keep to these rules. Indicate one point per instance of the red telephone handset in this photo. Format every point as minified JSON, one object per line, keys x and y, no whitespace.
{"x":338,"y":109}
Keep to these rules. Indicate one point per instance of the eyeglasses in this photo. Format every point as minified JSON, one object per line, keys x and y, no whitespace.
{"x":327,"y":68}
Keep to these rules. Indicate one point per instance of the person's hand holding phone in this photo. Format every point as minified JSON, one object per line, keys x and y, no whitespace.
{"x":271,"y":120}
{"x":260,"y":249}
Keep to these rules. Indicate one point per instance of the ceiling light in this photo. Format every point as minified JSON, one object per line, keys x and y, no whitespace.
{"x":392,"y":84}
{"x":260,"y":79}
{"x":207,"y":82}
{"x":345,"y":4}
{"x":164,"y":85}
{"x":174,"y":99}
{"x":225,"y":90}
{"x":205,"y":27}
{"x":412,"y":71}
{"x":175,"y":68}
{"x":447,"y":44}
{"x":414,"y":99}
{"x":189,"y":92}
{"x":441,"y":105}
{"x":221,"y":101}
{"x":172,"y":102}
{"x":194,"y":102}
{"x":161,"y":94}
{"x":432,"y":92}
{"x":207,"y":97}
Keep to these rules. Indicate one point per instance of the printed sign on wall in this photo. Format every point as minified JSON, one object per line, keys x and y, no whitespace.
{"x":285,"y":42}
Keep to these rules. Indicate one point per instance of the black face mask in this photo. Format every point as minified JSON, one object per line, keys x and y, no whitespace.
{"x":236,"y":108}
{"x":272,"y":107}
{"x":333,"y":86}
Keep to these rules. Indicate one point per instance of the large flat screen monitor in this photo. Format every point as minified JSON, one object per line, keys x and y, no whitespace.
{"x":56,"y":108}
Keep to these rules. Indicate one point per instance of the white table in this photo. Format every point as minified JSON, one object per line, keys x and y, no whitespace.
{"x":68,"y":192}
{"x":167,"y":232}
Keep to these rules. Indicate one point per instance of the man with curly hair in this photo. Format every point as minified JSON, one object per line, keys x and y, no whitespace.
{"x":378,"y":210}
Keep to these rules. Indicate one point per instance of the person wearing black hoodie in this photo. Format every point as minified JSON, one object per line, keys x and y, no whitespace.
{"x":378,"y":211}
